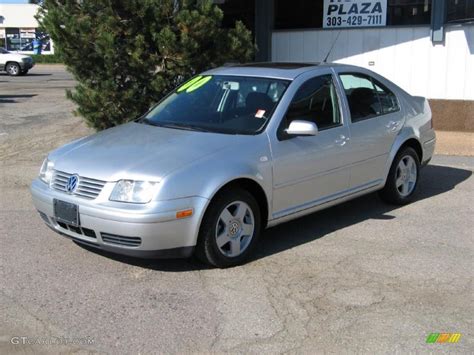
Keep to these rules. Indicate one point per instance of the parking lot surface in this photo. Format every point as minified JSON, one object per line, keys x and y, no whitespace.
{"x":360,"y":277}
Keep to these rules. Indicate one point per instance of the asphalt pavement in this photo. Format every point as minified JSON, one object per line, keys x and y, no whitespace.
{"x":360,"y":277}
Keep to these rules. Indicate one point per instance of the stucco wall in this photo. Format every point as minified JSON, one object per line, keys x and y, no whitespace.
{"x":404,"y":55}
{"x":18,"y":15}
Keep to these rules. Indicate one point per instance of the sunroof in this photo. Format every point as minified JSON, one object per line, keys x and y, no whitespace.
{"x":275,"y":65}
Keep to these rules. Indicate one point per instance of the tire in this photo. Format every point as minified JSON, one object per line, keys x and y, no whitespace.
{"x":13,"y":69}
{"x":230,"y":229}
{"x":403,"y":177}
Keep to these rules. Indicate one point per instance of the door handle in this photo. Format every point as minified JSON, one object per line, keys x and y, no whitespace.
{"x":392,"y":126}
{"x":341,"y":140}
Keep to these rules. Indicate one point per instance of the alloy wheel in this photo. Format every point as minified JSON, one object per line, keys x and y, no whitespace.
{"x":13,"y":69}
{"x":406,"y":176}
{"x":235,"y":229}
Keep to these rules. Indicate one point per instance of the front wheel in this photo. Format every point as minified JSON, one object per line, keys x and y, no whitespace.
{"x":402,"y":179}
{"x":230,"y":229}
{"x":13,"y":69}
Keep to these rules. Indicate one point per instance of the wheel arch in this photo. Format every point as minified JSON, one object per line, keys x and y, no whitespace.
{"x":10,"y":61}
{"x":251,"y":186}
{"x":416,"y":145}
{"x":406,"y":138}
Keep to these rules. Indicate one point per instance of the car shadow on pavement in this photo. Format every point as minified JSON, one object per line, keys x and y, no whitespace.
{"x":27,"y":75}
{"x":10,"y":99}
{"x":434,"y":180}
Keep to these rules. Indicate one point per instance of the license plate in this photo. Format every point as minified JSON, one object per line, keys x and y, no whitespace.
{"x":66,"y":212}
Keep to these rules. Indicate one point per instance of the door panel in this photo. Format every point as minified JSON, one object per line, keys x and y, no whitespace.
{"x":376,"y":119}
{"x":372,"y":140}
{"x":310,"y":169}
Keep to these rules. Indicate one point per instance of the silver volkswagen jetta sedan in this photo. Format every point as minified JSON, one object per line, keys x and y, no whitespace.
{"x":233,"y":151}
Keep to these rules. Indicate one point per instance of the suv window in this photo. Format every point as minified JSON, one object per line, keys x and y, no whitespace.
{"x":316,"y":101}
{"x":367,"y":97}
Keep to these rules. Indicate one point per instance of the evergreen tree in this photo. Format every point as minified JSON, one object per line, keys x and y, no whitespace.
{"x":127,"y":54}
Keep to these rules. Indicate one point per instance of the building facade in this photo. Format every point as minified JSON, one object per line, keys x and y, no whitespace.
{"x":424,"y":46}
{"x":18,"y":29}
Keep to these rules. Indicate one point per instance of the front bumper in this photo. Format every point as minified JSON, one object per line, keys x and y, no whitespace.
{"x":148,"y":231}
{"x":26,"y":65}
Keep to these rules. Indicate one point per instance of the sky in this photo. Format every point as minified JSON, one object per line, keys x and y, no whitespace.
{"x":13,"y":1}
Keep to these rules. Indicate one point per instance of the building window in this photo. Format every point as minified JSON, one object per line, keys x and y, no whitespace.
{"x":238,"y":10}
{"x":27,"y":36}
{"x":13,"y":39}
{"x":460,"y":11}
{"x":298,"y":14}
{"x":408,"y":12}
{"x":2,"y":38}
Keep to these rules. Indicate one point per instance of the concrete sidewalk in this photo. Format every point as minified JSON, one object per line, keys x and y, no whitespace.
{"x":455,"y":143}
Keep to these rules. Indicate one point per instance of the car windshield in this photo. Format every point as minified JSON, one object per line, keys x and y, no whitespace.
{"x":219,"y":103}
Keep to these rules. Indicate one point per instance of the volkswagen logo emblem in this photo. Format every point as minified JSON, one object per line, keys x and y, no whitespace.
{"x":72,"y":183}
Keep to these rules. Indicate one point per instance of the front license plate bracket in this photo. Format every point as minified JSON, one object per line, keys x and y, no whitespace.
{"x":66,"y":212}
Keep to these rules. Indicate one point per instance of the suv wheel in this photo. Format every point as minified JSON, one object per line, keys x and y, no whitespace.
{"x":13,"y":69}
{"x":230,"y":229}
{"x":403,"y":178}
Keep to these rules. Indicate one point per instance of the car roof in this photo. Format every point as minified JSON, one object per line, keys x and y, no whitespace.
{"x":281,"y":70}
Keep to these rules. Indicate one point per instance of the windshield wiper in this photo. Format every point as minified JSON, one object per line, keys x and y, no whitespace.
{"x":173,"y":125}
{"x":183,"y":126}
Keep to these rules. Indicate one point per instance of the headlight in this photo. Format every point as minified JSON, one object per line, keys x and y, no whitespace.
{"x":133,"y":191}
{"x":46,"y":171}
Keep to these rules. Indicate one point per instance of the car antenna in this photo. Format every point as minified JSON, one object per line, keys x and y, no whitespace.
{"x":332,"y":47}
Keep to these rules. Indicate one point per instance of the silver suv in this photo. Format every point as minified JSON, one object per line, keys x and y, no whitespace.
{"x":231,"y":152}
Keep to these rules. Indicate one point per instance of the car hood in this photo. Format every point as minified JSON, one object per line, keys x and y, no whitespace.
{"x":136,"y":151}
{"x":16,"y":56}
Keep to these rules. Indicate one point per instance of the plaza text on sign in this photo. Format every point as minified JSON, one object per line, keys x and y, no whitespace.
{"x":354,"y":13}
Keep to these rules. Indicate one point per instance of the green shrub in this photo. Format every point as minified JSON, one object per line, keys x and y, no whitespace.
{"x":47,"y":58}
{"x":127,"y":54}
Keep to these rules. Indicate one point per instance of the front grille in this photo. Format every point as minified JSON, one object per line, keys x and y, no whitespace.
{"x":87,"y":187}
{"x":121,"y":240}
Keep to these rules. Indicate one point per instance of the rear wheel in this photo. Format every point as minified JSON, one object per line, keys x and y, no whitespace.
{"x":402,"y":179}
{"x":230,"y":229}
{"x":13,"y":69}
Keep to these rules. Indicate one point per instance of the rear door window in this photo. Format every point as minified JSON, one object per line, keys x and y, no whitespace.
{"x":367,"y":98}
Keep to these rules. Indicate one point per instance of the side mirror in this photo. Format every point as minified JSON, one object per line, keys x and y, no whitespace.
{"x":302,"y":128}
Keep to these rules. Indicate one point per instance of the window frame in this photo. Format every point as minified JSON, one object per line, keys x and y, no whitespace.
{"x":282,"y":136}
{"x":377,"y":82}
